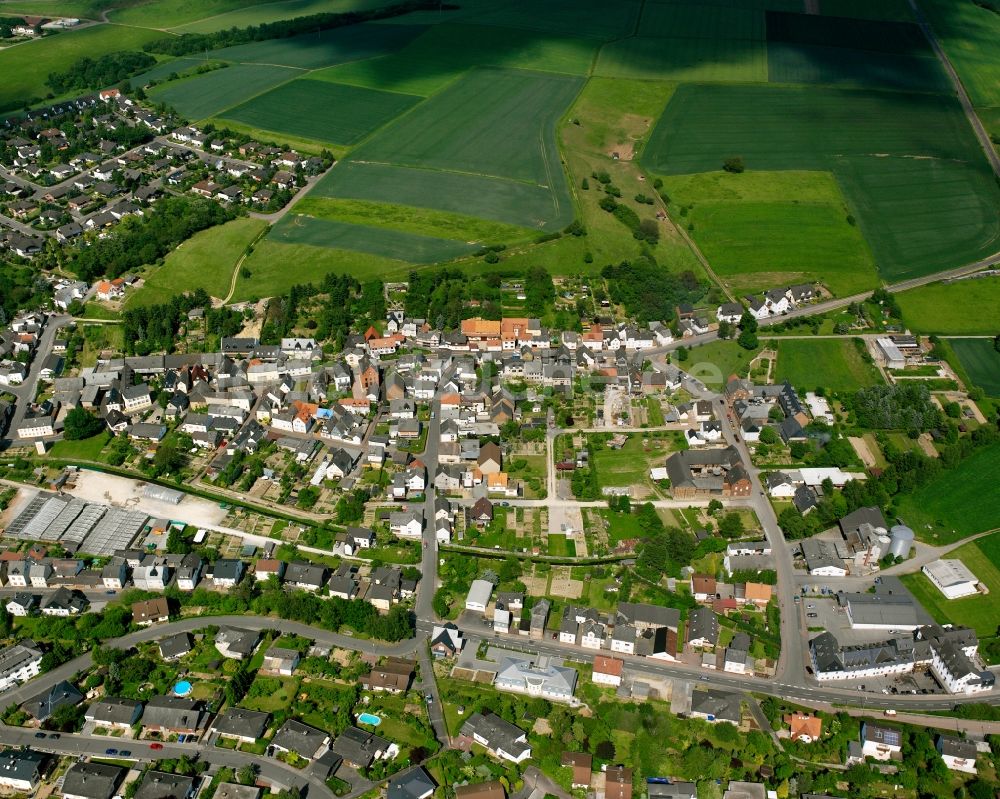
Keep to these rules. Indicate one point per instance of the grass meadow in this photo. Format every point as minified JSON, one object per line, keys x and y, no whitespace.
{"x":411,"y":219}
{"x":943,"y":308}
{"x":900,"y":159}
{"x":382,"y":242}
{"x":323,"y":111}
{"x":960,"y":502}
{"x":754,"y":228}
{"x":684,"y":60}
{"x":25,"y":67}
{"x":969,"y":35}
{"x":833,"y":364}
{"x":206,"y":260}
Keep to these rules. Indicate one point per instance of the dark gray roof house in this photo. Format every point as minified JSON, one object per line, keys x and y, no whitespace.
{"x":43,"y":705}
{"x":238,"y":722}
{"x":173,"y":714}
{"x":358,"y":747}
{"x":22,"y":767}
{"x":92,"y":781}
{"x":716,"y":705}
{"x":413,"y":784}
{"x":160,"y":785}
{"x":175,"y":646}
{"x":114,"y":712}
{"x":305,"y":741}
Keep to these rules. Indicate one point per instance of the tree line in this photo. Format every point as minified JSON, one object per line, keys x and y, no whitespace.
{"x":648,"y":291}
{"x":151,"y":328}
{"x":97,"y":73}
{"x":139,"y":240}
{"x":283,"y":29}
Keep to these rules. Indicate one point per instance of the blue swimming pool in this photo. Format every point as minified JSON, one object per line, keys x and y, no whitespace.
{"x":183,"y":688}
{"x":368,"y":718}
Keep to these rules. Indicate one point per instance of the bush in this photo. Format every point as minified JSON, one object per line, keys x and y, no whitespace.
{"x":734,"y":164}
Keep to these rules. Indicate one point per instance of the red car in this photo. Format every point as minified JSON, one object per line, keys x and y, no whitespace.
{"x":156,"y":746}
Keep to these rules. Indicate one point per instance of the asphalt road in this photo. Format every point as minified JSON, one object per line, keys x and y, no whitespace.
{"x":25,"y":392}
{"x":74,"y":744}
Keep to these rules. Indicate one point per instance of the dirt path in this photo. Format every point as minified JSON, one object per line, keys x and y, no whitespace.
{"x":864,"y":451}
{"x":239,"y":263}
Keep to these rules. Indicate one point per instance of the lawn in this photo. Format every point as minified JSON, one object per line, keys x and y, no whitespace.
{"x":203,"y":96}
{"x":686,"y":60}
{"x":270,"y":275}
{"x":382,"y":242}
{"x":206,"y":260}
{"x":630,"y":465}
{"x":981,"y":361}
{"x":943,"y":308}
{"x":957,"y":503}
{"x":445,"y":52}
{"x":412,"y":219}
{"x":834,"y":364}
{"x":86,"y":449}
{"x":25,"y":67}
{"x":320,"y":110}
{"x":560,"y":546}
{"x":715,"y":362}
{"x":900,"y":159}
{"x":272,"y":701}
{"x":977,"y":611}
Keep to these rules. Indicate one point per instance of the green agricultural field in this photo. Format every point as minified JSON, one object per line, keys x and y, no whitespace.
{"x":804,"y":48}
{"x":496,"y":123}
{"x":508,"y":201}
{"x":256,"y":12}
{"x":685,"y":60}
{"x":958,"y":503}
{"x":206,"y":260}
{"x":447,"y":51}
{"x":981,"y":362}
{"x":591,"y":18}
{"x":25,"y":67}
{"x":204,"y":96}
{"x":270,"y":275}
{"x":900,"y":160}
{"x":323,"y":49}
{"x":171,"y":13}
{"x":701,"y":22}
{"x":898,"y":10}
{"x":833,"y":364}
{"x":82,"y":9}
{"x":943,"y":308}
{"x":410,"y":219}
{"x":484,"y":147}
{"x":833,"y":66}
{"x":382,"y":242}
{"x":973,"y":611}
{"x":754,"y":228}
{"x":320,"y":110}
{"x":969,"y":34}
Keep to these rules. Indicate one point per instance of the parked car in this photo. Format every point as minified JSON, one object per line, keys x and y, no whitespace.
{"x":110,"y":751}
{"x":39,"y":734}
{"x":156,"y":746}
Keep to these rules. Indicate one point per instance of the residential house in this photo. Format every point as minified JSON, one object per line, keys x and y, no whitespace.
{"x":240,"y":724}
{"x":360,"y":748}
{"x":608,"y":670}
{"x":498,"y":736}
{"x":305,"y":741}
{"x":174,"y":715}
{"x":114,"y":713}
